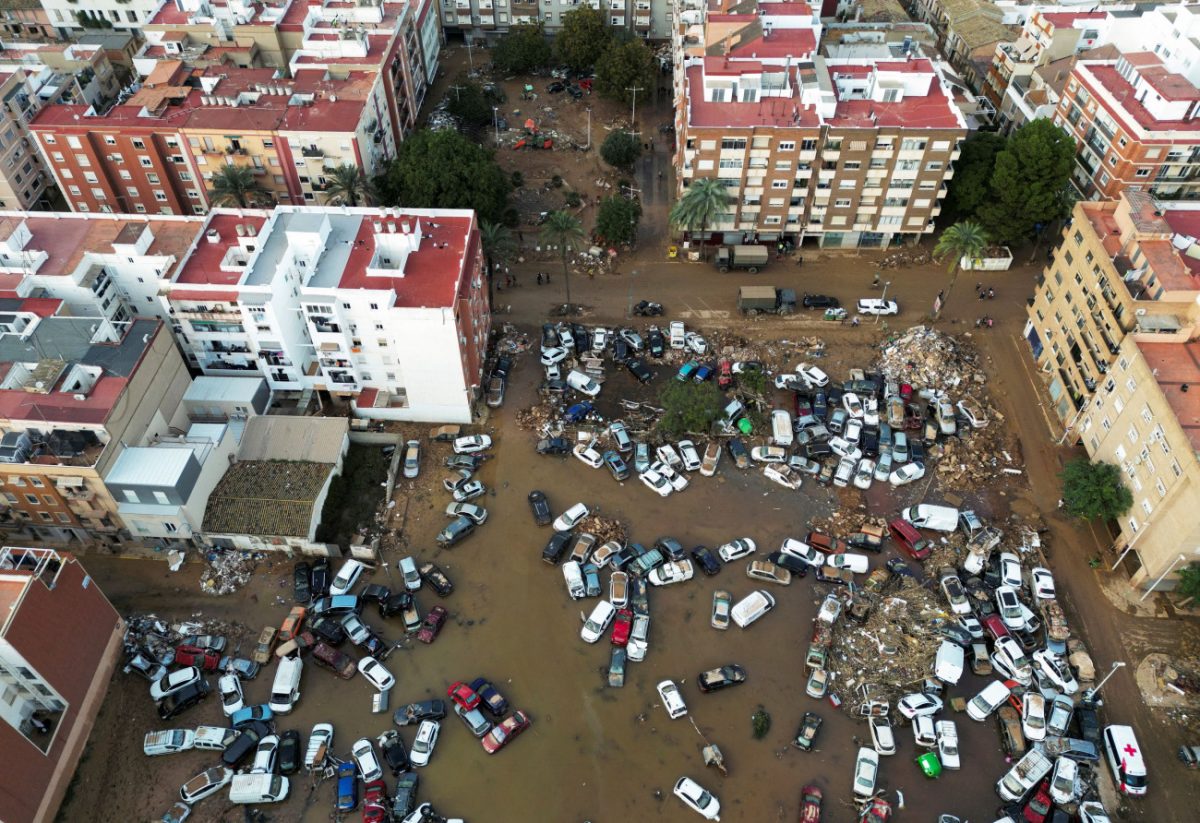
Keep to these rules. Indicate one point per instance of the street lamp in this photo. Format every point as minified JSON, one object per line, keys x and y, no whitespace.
{"x":1169,"y":569}
{"x":632,"y":277}
{"x":1091,"y":693}
{"x":882,"y":300}
{"x":496,"y":122}
{"x":589,"y":114}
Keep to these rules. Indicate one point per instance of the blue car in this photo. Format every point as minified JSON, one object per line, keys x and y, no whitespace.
{"x":702,"y":374}
{"x":347,"y":786}
{"x":591,"y":579}
{"x":616,"y":465}
{"x":578,"y":412}
{"x":251,"y":713}
{"x":495,"y":702}
{"x":686,"y":371}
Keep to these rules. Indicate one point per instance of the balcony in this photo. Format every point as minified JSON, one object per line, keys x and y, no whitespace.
{"x":227,"y":348}
{"x":312,"y":151}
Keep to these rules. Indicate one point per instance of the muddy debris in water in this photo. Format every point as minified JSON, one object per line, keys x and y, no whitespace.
{"x":604,"y":528}
{"x":228,"y":571}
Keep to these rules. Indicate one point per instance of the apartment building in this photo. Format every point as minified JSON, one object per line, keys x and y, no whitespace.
{"x":485,"y":20}
{"x":25,"y":20}
{"x":154,"y":152}
{"x":1046,"y":37}
{"x":60,"y":640}
{"x":75,"y":392}
{"x":835,"y":152}
{"x":385,"y":307}
{"x":71,"y":18}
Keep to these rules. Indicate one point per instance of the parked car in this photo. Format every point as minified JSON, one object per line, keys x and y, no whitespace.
{"x":432,"y":624}
{"x":722,"y":601}
{"x":540,"y":507}
{"x":503,"y":733}
{"x":426,"y":739}
{"x":472,"y":444}
{"x":806,"y":736}
{"x":721,"y":678}
{"x":436,"y":578}
{"x":736,"y":549}
{"x":866,"y":768}
{"x":416,"y":712}
{"x":698,"y":799}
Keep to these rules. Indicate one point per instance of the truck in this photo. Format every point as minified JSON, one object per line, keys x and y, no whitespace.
{"x":766,"y":300}
{"x":750,"y":258}
{"x":1024,"y":776}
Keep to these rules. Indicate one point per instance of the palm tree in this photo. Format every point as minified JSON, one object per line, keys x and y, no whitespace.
{"x":565,"y":231}
{"x":702,"y":202}
{"x":498,"y":247}
{"x":965,"y":238}
{"x":236,"y":186}
{"x":347,"y":185}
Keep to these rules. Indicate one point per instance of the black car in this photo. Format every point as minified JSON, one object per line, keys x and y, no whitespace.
{"x":289,"y":752}
{"x":245,"y":743}
{"x":638,"y":369}
{"x":1087,"y":720}
{"x":722,"y":678}
{"x":375,"y":593}
{"x":549,"y":336}
{"x":405,"y":798}
{"x":706,"y":560}
{"x":328,"y":629}
{"x":670,"y":547}
{"x":504,"y":365}
{"x":556,"y":87}
{"x":820,"y":301}
{"x":436,"y":578}
{"x":176,"y":704}
{"x":394,"y":605}
{"x":737,"y":451}
{"x":621,"y":559}
{"x":816,"y":451}
{"x":394,"y":754}
{"x":540,"y":507}
{"x":470,"y":462}
{"x":553,"y":445}
{"x":575,"y":91}
{"x":620,"y":350}
{"x":414,"y":713}
{"x":375,"y":646}
{"x":916,"y":451}
{"x":656,"y":343}
{"x":957,"y":632}
{"x":870,"y":443}
{"x":806,"y":736}
{"x":555,"y":547}
{"x":794,"y":564}
{"x":319,"y":580}
{"x":302,"y":583}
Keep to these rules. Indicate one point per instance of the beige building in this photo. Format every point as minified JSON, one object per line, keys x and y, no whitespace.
{"x":1114,"y":326}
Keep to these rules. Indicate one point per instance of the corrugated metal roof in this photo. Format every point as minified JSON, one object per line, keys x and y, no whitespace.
{"x":149,"y":466}
{"x":311,"y":439}
{"x":232,"y":389}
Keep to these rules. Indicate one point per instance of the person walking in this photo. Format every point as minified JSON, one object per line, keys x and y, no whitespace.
{"x":539,"y":278}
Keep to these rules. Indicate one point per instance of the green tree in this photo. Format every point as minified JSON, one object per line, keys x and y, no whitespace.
{"x":620,"y":149}
{"x":1029,"y":183}
{"x":238,"y":187}
{"x":689,"y":407}
{"x":972,"y":174}
{"x":444,"y":169}
{"x":702,"y":202}
{"x":964,"y":239}
{"x":1189,"y":581}
{"x":466,"y":101}
{"x":565,"y":231}
{"x":617,"y":220}
{"x":522,"y":50}
{"x":623,"y":67}
{"x":499,"y":246}
{"x":1094,"y":490}
{"x":348,"y":185}
{"x":582,"y":38}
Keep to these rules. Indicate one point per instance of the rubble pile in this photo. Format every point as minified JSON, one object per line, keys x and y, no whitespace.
{"x":535,"y":417}
{"x":926,"y":358}
{"x":511,"y":340}
{"x":604,"y":528}
{"x":978,"y":456}
{"x":227,"y":572}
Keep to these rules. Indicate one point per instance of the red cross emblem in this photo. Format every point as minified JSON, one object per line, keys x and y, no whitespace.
{"x":1130,"y":749}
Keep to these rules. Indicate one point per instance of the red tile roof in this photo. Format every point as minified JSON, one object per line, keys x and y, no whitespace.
{"x":431,"y":275}
{"x":785,"y":9}
{"x":780,"y":43}
{"x":1176,"y":368}
{"x":204,"y":263}
{"x":1061,"y":19}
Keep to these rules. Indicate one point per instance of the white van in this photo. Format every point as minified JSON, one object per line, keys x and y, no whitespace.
{"x":1125,"y":759}
{"x":926,"y":516}
{"x":948,"y":664}
{"x":215,"y":738}
{"x":285,"y":691}
{"x":258,"y":788}
{"x":781,"y":428}
{"x":678,"y":334}
{"x":751,"y":608}
{"x":168,"y":741}
{"x":988,"y":700}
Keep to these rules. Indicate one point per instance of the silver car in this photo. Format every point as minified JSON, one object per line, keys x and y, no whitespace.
{"x":412,"y":458}
{"x":476,"y":514}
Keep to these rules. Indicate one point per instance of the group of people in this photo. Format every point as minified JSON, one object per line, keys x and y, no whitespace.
{"x":983,"y":293}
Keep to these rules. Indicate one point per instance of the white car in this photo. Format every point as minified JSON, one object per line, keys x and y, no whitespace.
{"x":695,"y":343}
{"x":866,"y":769}
{"x":206,"y":783}
{"x":845,"y":471}
{"x":689,"y":455}
{"x":947,"y":743}
{"x":677,"y":571}
{"x":853,"y":431}
{"x":803,"y":551}
{"x":668,"y":456}
{"x":1010,"y":570}
{"x":790,"y":382}
{"x":844,"y":448}
{"x":1009,"y":606}
{"x":1062,"y":781}
{"x":782,"y":475}
{"x":553,"y":372}
{"x":347,"y":576}
{"x":426,"y":740}
{"x":857,"y":563}
{"x":1042,"y":583}
{"x":923,"y":731}
{"x":768,"y":454}
{"x":588,"y":455}
{"x":597,"y":623}
{"x":853,"y":405}
{"x":1033,"y":716}
{"x":883,"y":737}
{"x":672,"y":700}
{"x":872,"y":305}
{"x":570,"y":518}
{"x":812,"y":375}
{"x":907,"y":473}
{"x":1009,"y":659}
{"x":735,"y":549}
{"x":599,"y":339}
{"x":363,"y":753}
{"x":376,"y":673}
{"x":831,"y":607}
{"x":865,"y":473}
{"x":170,"y":683}
{"x":409,"y":573}
{"x":1049,"y":667}
{"x":266,"y":755}
{"x":232,"y":699}
{"x":871,"y":412}
{"x":583,"y":384}
{"x":678,"y":481}
{"x":655,"y":482}
{"x":1093,"y":812}
{"x":696,"y":798}
{"x":553,"y":355}
{"x":472,"y":444}
{"x":639,"y":638}
{"x":918,"y":705}
{"x":677,"y":334}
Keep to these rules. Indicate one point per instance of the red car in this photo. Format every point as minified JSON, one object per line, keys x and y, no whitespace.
{"x":375,"y":802}
{"x":195,"y":656}
{"x":909,"y":539}
{"x":810,"y":804}
{"x":994,"y":625}
{"x":432,"y":624}
{"x":463,"y":695}
{"x":503,"y":733}
{"x":1038,"y":807}
{"x":724,"y":374}
{"x":622,"y":626}
{"x":878,"y":811}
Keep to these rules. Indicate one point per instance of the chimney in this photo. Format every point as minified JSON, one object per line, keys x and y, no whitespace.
{"x":212,"y":236}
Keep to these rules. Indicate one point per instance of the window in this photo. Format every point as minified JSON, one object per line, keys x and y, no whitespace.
{"x":1176,"y":469}
{"x":779,"y":184}
{"x":162,"y":498}
{"x":130,"y":496}
{"x":146,"y":162}
{"x":808,"y":145}
{"x":32,"y":499}
{"x":138,"y":143}
{"x":152,"y":178}
{"x":843,"y":203}
{"x":733,"y":143}
{"x":1142,"y":173}
{"x":787,"y":145}
{"x":1146,"y":507}
{"x":1132,"y":434}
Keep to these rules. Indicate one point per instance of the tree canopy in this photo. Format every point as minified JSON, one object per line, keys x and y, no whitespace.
{"x":564,"y":230}
{"x":522,"y":50}
{"x":689,"y":407}
{"x":965,"y":238}
{"x":620,"y":149}
{"x":617,"y":219}
{"x":466,"y":101}
{"x":238,"y":187}
{"x":625,"y":66}
{"x":444,"y":169}
{"x":1029,"y":182}
{"x":348,"y":185}
{"x":972,"y":174}
{"x":1094,"y":490}
{"x":702,"y":203}
{"x":582,"y":38}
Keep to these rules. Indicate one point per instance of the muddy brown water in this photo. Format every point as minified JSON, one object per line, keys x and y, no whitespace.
{"x":595,"y":753}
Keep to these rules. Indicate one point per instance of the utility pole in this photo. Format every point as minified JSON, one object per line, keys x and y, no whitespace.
{"x":496,"y":122}
{"x":589,"y":114}
{"x":470,"y":54}
{"x":457,"y":89}
{"x":633,"y":110}
{"x":883,"y":300}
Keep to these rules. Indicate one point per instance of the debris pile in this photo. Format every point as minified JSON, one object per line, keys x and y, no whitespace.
{"x":604,"y":528}
{"x":926,"y":358}
{"x":227,"y":571}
